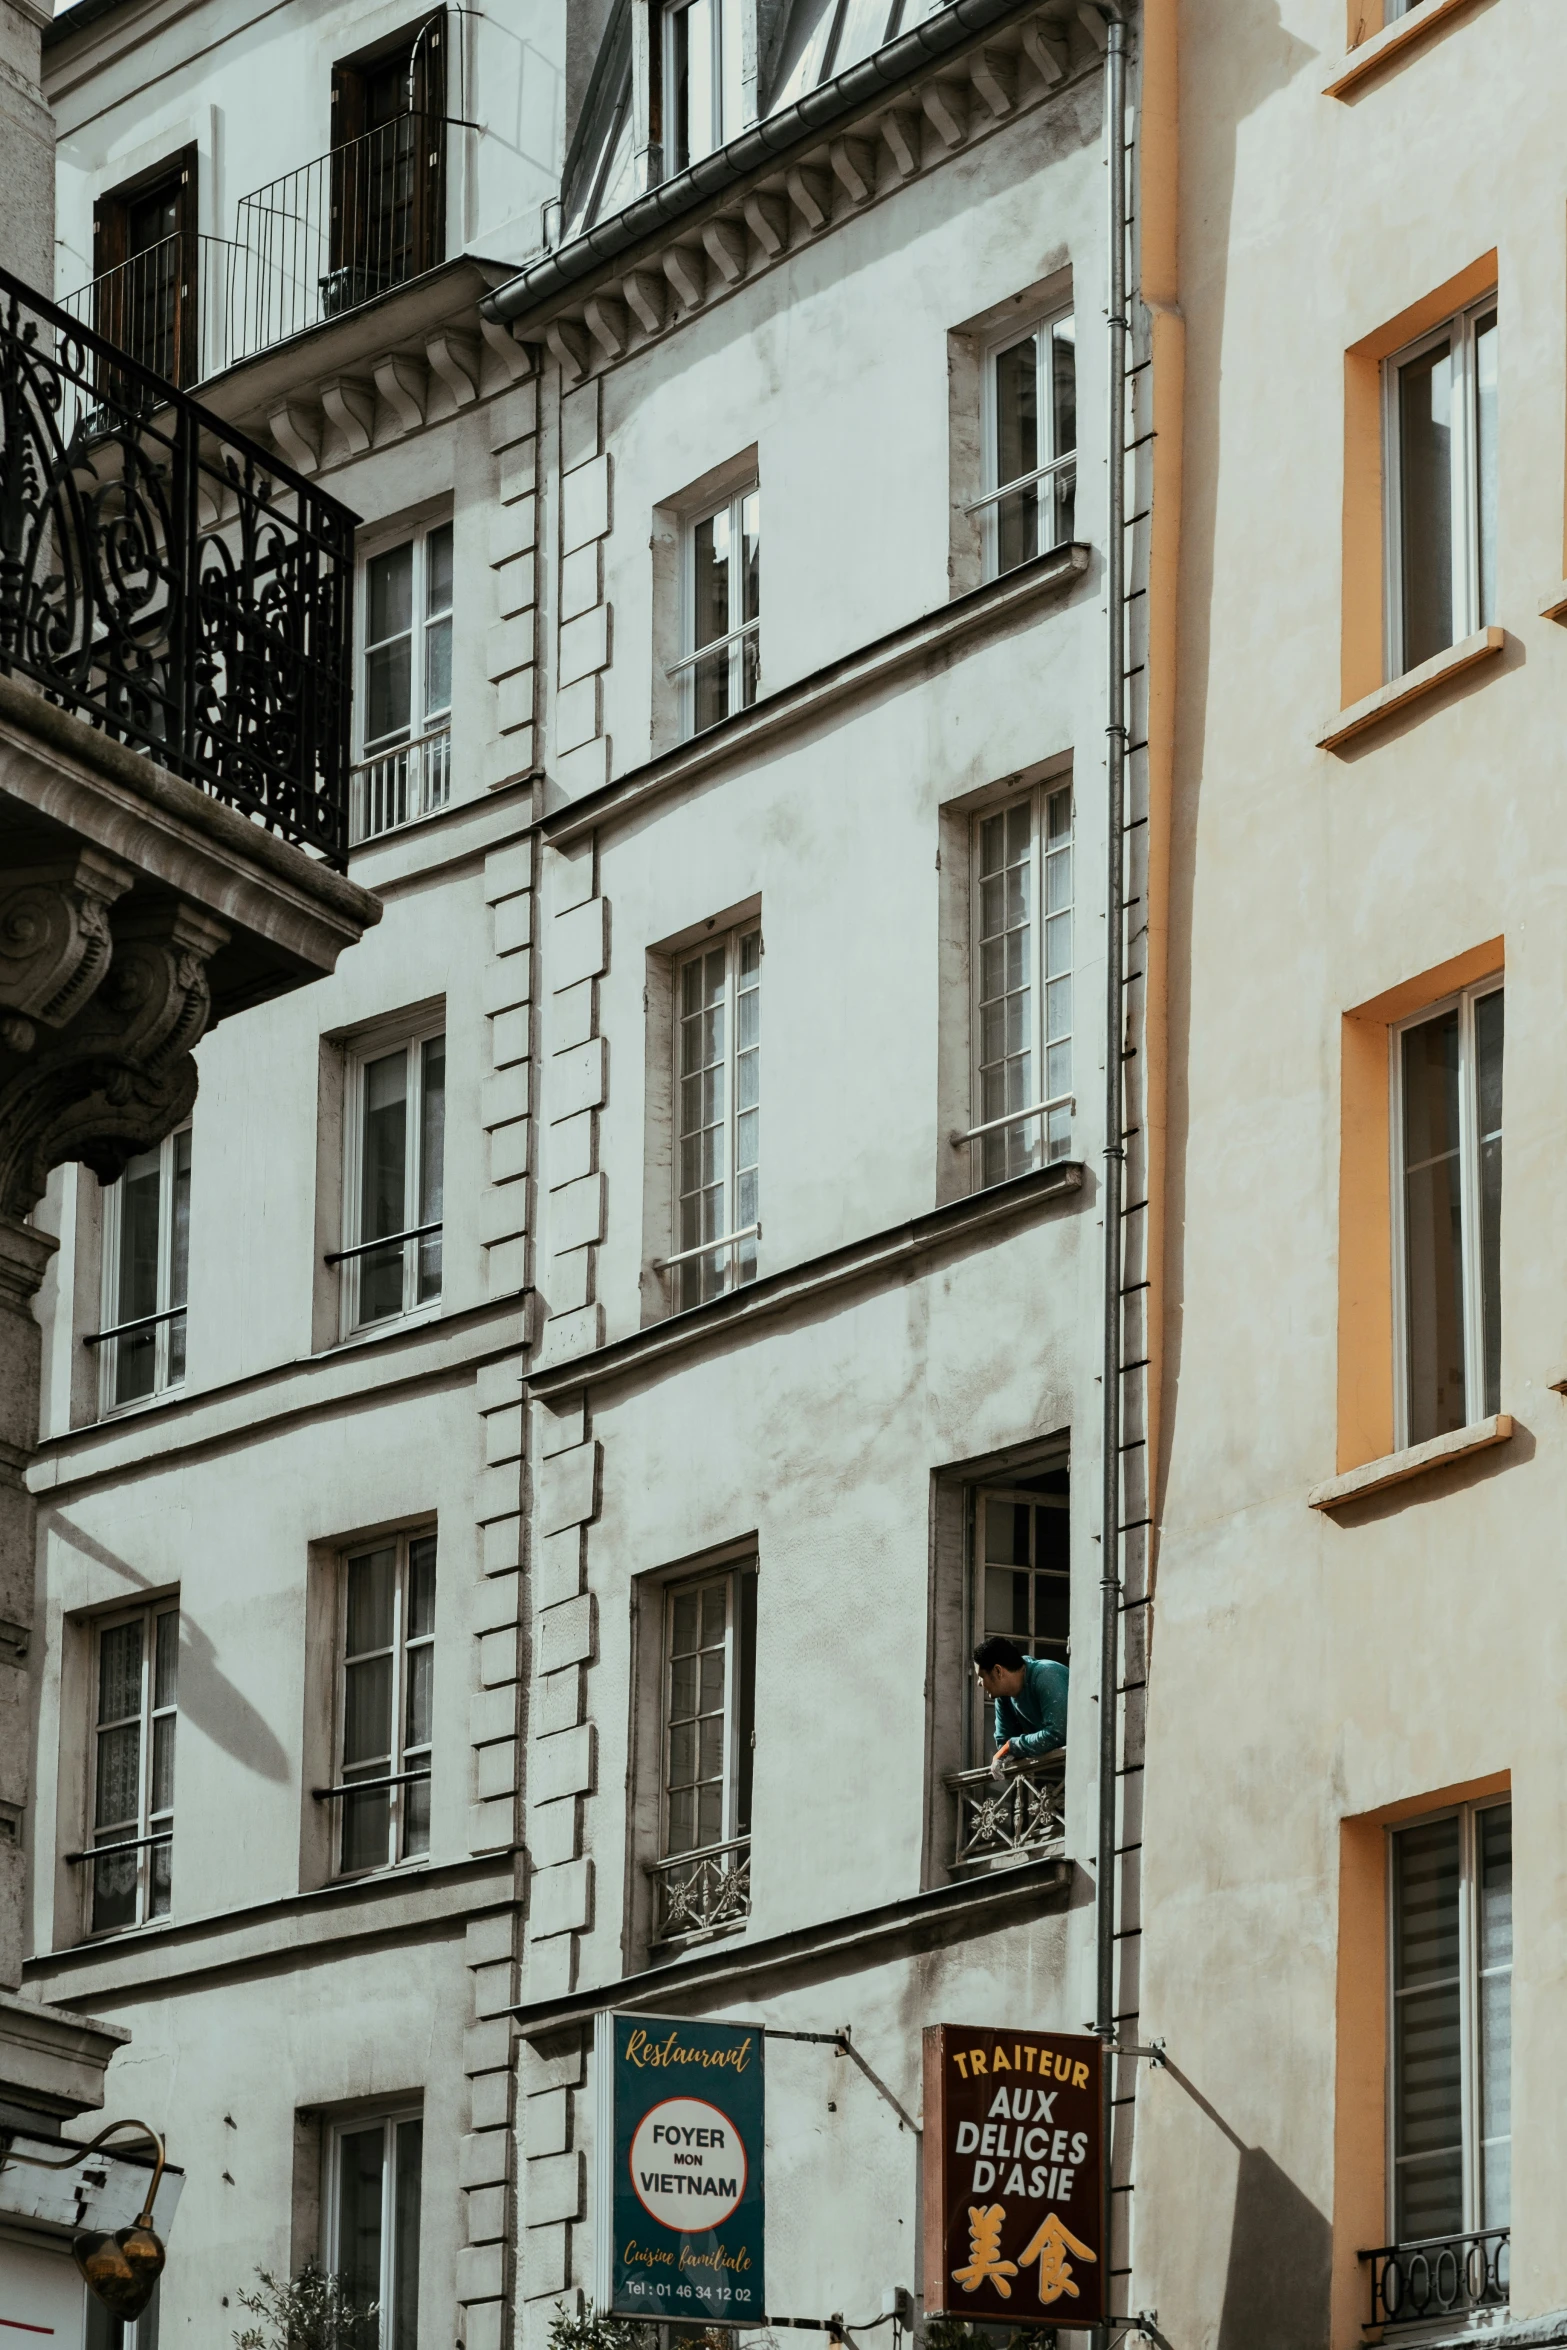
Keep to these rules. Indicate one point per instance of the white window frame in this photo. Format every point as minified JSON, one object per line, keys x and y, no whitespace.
{"x":1052,"y":463}
{"x":364,"y":1051}
{"x":740,"y":1243}
{"x":1049,"y":1129}
{"x":148,"y":1823}
{"x":742,"y":632}
{"x":1470,"y":1974}
{"x":347,"y":2125}
{"x":728,"y":1574}
{"x":169,"y":1310}
{"x":726,"y":64}
{"x":1464,"y":1003}
{"x":403,"y":1756}
{"x":1467,"y":588}
{"x":407,"y":774}
{"x":980,"y":1743}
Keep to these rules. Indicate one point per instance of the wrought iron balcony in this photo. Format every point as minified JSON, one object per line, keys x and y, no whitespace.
{"x":351,"y":225}
{"x":1439,"y":2277}
{"x":706,"y":1892}
{"x":409,"y":780}
{"x":1017,"y":1817}
{"x":168,"y":581}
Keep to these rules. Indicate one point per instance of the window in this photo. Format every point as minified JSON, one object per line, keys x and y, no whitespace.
{"x":391,"y":1256}
{"x":720,"y":669}
{"x":1021,"y":959}
{"x":146,"y":1266}
{"x":1447,"y":1077}
{"x":1439,"y":400}
{"x":384,"y":1703}
{"x":1450,"y":1894}
{"x":1022,"y":1574}
{"x":373,"y":2192}
{"x":388,"y":167}
{"x":145,"y":262}
{"x":406,"y":770}
{"x":703,"y":99}
{"x":1029,"y":501}
{"x":709,"y":1725}
{"x":718,"y":1076}
{"x":133,"y":1766}
{"x":106,"y":2332}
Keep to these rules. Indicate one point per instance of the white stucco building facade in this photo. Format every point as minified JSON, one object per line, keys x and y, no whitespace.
{"x":581,"y":1380}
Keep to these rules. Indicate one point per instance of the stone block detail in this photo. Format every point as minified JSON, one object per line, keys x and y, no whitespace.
{"x":563,"y":1765}
{"x":562,"y":1901}
{"x":568,"y":1487}
{"x":554,"y":2188}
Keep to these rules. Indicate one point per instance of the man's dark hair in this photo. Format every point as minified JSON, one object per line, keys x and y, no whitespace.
{"x":997,"y":1651}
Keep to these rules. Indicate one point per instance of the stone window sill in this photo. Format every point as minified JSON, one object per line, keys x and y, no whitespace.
{"x":1396,"y":1468}
{"x":1414,"y":685}
{"x":1554,"y":606}
{"x":1390,"y":43}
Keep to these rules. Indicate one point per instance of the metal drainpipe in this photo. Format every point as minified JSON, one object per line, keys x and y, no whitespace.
{"x":1114,"y":1149}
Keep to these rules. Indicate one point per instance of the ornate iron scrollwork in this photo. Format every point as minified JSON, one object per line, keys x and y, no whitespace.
{"x":168,"y":581}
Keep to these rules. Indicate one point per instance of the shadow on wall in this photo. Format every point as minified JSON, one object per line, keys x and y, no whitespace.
{"x":1276,"y":2289}
{"x":207,"y":1696}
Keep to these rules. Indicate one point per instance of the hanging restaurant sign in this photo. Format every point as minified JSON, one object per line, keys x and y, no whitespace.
{"x":678,"y":2168}
{"x":1015,"y":2203}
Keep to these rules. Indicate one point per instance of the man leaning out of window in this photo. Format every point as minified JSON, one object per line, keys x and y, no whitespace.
{"x":1030,"y":1701}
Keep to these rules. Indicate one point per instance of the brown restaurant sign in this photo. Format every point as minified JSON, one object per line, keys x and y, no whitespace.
{"x":1015,"y":2203}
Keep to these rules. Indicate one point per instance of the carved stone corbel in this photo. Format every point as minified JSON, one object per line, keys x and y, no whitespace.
{"x":120,"y":1076}
{"x":55,"y":942}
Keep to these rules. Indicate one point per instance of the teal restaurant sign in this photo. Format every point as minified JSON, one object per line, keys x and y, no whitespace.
{"x":678,"y":2219}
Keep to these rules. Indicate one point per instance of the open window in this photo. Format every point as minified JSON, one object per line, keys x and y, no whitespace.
{"x":1029,"y":501}
{"x":405,"y":765}
{"x":1002,"y":1565}
{"x":716,"y":1093}
{"x":720,"y":665}
{"x":1440,"y":471}
{"x":1447,"y":1125}
{"x":388,"y":165}
{"x":1021,"y":1103}
{"x":145,"y":269}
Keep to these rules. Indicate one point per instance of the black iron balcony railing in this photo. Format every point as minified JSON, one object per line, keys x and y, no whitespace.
{"x":173,"y":308}
{"x":341,"y":230}
{"x":1439,"y":2277}
{"x":168,"y":581}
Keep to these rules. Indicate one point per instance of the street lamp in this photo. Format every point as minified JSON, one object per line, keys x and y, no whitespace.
{"x":121,"y":2269}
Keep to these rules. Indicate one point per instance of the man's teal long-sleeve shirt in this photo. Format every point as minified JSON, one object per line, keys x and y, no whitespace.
{"x":1035,"y":1720}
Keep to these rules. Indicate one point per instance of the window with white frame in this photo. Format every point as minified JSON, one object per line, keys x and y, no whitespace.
{"x":718,"y":1091}
{"x":146,"y":1265}
{"x":709,"y":1725}
{"x":374,"y":2165}
{"x":1021,"y":1580}
{"x":105,"y":2331}
{"x":1439,"y":431}
{"x":395,"y":1129}
{"x":1029,"y":500}
{"x":719,"y":668}
{"x":1450,"y":1897}
{"x":1447,"y":1082}
{"x":136,"y":1690}
{"x":385,"y":1701}
{"x":703,"y":91}
{"x":405,"y":767}
{"x":1021,"y":965}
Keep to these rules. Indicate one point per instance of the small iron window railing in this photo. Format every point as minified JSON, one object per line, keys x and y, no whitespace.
{"x":1016,"y":1817}
{"x":706,"y":1892}
{"x":398,"y":785}
{"x":1439,"y":2277}
{"x":169,"y":582}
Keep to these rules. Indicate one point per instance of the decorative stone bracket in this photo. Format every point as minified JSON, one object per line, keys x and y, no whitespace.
{"x":101,"y":1006}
